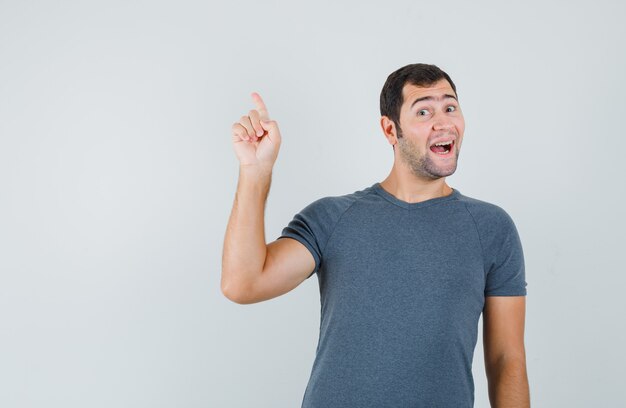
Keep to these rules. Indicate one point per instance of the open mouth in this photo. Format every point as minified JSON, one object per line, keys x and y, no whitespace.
{"x":442,"y":148}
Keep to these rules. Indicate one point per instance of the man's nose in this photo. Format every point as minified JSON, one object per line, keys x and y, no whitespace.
{"x":443,"y":125}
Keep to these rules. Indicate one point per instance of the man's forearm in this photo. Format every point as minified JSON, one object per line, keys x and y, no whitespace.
{"x":245,"y":248}
{"x":508,"y":384}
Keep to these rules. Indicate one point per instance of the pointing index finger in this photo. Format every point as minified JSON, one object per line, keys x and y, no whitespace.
{"x":260,"y":106}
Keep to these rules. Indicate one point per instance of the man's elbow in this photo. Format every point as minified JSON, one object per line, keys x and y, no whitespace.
{"x":513,"y":358}
{"x":235,"y":294}
{"x":510,"y":365}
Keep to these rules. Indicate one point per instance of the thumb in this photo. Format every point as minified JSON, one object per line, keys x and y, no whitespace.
{"x":272,"y":128}
{"x":268,"y":124}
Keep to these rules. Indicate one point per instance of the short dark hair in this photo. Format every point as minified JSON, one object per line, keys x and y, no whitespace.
{"x":391,"y":98}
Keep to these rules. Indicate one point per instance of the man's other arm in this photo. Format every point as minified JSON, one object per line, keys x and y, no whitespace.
{"x":505,"y":355}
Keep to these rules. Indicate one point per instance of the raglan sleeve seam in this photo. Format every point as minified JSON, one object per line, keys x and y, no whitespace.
{"x":337,"y":223}
{"x":317,"y":249}
{"x":480,"y":241}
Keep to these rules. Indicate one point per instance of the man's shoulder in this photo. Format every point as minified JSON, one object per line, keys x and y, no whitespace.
{"x":337,"y":204}
{"x":485,"y":211}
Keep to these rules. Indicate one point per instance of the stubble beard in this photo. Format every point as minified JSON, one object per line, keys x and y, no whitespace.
{"x":421,"y":165}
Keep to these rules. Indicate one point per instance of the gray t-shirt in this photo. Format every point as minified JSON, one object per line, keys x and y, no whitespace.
{"x":402,"y":287}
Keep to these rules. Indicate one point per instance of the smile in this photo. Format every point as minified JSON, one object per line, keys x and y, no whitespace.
{"x":443,"y":148}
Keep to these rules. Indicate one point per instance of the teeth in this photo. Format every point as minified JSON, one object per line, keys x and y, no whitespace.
{"x":443,"y":143}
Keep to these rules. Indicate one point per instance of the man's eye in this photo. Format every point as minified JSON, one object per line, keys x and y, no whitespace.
{"x":453,"y":108}
{"x":419,"y":112}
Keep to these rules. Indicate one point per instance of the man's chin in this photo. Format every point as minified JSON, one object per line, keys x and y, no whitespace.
{"x":438,"y":172}
{"x":433,"y":175}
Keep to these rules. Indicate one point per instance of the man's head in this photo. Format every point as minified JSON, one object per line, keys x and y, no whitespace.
{"x":422,"y":75}
{"x":419,"y":109}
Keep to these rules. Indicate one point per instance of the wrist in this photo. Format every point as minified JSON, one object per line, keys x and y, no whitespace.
{"x":256,"y":169}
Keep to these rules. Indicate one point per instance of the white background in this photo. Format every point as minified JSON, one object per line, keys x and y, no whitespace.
{"x":117,"y":177}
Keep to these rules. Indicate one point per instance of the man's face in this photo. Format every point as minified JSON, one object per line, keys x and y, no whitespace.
{"x":426,"y":122}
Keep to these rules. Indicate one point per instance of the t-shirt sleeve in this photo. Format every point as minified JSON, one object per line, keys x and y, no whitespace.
{"x":505,"y":259}
{"x":312,"y":227}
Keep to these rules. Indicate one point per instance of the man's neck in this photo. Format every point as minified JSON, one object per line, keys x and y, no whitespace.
{"x":414,"y":190}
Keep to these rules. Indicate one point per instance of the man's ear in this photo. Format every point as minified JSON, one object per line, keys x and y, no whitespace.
{"x":389,"y":129}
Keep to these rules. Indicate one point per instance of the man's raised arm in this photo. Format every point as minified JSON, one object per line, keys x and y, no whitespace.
{"x":251,"y":270}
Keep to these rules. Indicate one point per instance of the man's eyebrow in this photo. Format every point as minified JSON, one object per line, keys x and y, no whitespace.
{"x":431,"y":98}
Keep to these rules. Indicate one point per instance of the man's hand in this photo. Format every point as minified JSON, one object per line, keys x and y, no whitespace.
{"x":256,"y":138}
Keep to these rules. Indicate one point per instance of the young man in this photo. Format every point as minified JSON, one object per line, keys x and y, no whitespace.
{"x":405,"y":266}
